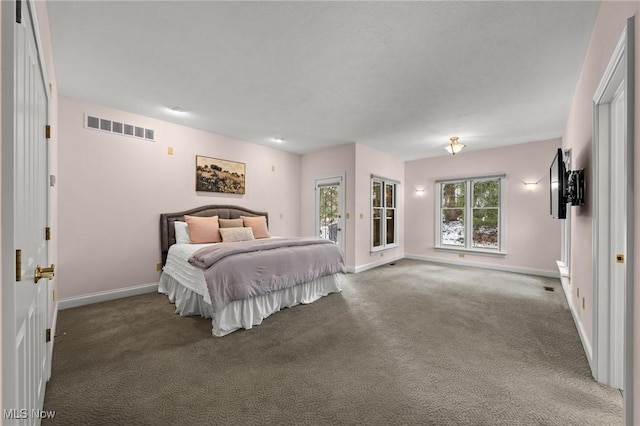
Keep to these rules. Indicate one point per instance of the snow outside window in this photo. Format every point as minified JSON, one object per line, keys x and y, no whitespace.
{"x":471,"y":214}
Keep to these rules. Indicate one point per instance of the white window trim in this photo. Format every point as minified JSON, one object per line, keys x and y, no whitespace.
{"x":501,"y":251}
{"x":384,"y":246}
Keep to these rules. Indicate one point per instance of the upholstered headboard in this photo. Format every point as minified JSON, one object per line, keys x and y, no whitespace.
{"x":167,"y":230}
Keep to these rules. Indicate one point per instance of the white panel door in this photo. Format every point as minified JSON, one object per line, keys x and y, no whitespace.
{"x":26,"y":367}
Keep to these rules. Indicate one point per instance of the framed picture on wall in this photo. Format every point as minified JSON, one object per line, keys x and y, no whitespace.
{"x":216,"y":175}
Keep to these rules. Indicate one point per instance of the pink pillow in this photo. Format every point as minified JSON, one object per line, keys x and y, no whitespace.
{"x":258,"y":225}
{"x":203,"y":229}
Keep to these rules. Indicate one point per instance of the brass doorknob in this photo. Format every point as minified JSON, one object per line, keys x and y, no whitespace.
{"x":46,"y":273}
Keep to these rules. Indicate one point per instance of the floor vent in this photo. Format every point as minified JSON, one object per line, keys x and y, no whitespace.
{"x":549,"y":288}
{"x":96,"y":123}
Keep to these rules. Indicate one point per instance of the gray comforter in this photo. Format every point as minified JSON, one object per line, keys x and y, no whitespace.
{"x":240,"y":270}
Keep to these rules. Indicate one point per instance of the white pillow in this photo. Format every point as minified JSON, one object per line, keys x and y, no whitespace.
{"x":182,"y":232}
{"x":230,"y":235}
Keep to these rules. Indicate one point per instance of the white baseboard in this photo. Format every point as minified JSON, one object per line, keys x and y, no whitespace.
{"x":516,"y":269}
{"x":72,"y":302}
{"x":586,"y":344}
{"x":366,"y":267}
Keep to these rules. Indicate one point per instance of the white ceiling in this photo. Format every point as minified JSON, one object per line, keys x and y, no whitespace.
{"x":401,"y":77}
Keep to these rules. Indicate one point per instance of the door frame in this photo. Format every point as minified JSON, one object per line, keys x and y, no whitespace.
{"x":620,"y":71}
{"x":8,"y":190}
{"x":339,"y":178}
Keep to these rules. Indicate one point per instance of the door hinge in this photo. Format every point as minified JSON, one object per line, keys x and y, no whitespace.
{"x":18,"y":265}
{"x":47,"y":335}
{"x":19,"y":11}
{"x":47,"y":131}
{"x":47,"y":233}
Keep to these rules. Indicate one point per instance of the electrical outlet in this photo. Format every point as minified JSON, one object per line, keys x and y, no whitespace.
{"x":460,"y":254}
{"x":281,"y":215}
{"x":361,"y":216}
{"x":273,"y":168}
{"x":158,"y":266}
{"x":170,"y":150}
{"x":347,"y":215}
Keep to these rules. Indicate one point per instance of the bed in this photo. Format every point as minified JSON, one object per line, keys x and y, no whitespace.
{"x":248,"y":280}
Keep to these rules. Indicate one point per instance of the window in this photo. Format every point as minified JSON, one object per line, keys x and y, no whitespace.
{"x":471,"y":214}
{"x":384,"y":224}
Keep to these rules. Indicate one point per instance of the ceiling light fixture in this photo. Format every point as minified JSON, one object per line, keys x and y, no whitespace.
{"x":177,"y":109}
{"x":277,"y":140}
{"x":454,"y":146}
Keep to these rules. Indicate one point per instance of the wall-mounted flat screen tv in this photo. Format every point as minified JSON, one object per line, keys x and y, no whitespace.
{"x":558,"y":180}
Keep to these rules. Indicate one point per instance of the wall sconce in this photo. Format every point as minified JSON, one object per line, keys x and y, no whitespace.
{"x":531,"y":186}
{"x":420,"y":192}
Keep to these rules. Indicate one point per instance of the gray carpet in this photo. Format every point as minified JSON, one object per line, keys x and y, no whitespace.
{"x":413,"y":343}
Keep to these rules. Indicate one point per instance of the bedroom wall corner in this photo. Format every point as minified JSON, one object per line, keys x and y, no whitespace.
{"x":532,"y":236}
{"x":369,"y":162}
{"x":328,"y":162}
{"x":112,"y":189}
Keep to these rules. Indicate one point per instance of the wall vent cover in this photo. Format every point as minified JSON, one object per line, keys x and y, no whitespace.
{"x":105,"y":125}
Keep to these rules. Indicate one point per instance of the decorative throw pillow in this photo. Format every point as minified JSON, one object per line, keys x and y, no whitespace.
{"x":203,"y":229}
{"x":230,"y":235}
{"x":258,"y":224}
{"x":182,"y":232}
{"x":230,"y":223}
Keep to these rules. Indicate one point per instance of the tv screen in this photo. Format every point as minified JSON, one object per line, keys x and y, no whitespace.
{"x":558,"y":180}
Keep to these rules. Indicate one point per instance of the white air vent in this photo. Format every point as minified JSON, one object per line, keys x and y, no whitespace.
{"x":93,"y":122}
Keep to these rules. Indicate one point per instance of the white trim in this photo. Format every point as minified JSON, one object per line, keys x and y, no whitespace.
{"x":584,"y":337}
{"x":103,"y":296}
{"x":340,"y":179}
{"x":604,"y":161}
{"x":563,"y":268}
{"x":620,"y":71}
{"x":468,"y":211}
{"x":505,"y":268}
{"x":366,"y":267}
{"x":54,"y":326}
{"x":384,"y":182}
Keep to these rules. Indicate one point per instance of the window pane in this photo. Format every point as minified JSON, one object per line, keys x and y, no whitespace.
{"x":377,"y":228}
{"x":377,"y":194}
{"x":485,"y":228}
{"x":453,"y":227}
{"x":453,"y":194}
{"x":391,"y":229}
{"x":389,"y":195}
{"x":486,"y":193}
{"x":328,"y":213}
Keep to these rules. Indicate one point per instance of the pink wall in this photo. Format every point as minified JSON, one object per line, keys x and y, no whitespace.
{"x":370,"y":161}
{"x":358,"y":162}
{"x":609,"y":25}
{"x":330,"y":162}
{"x":532,"y":236}
{"x":113,"y":188}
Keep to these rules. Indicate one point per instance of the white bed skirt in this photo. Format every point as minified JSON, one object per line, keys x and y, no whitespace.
{"x":249,"y":312}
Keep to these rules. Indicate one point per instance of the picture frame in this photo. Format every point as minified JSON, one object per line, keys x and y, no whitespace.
{"x":217,"y":175}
